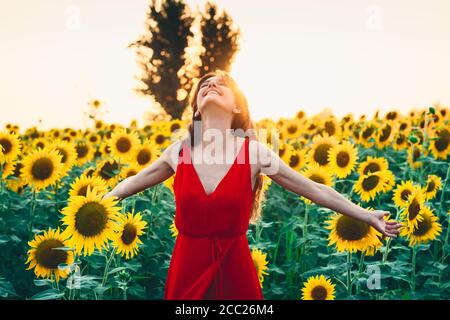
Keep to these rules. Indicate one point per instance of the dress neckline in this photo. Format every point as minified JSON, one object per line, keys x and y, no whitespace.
{"x":221,"y":181}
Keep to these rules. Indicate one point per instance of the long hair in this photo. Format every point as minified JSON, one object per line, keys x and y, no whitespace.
{"x":241,"y":123}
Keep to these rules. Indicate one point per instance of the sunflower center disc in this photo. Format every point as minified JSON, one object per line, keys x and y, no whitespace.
{"x":343,"y":159}
{"x":321,"y":154}
{"x":6,"y":145}
{"x":49,"y":257}
{"x":371,"y":167}
{"x":443,"y":141}
{"x":294,"y":160}
{"x":423,"y":227}
{"x":319,"y":293}
{"x":129,"y":233}
{"x":143,"y":157}
{"x":350,"y":229}
{"x":42,"y":169}
{"x":413,"y":209}
{"x":370,"y":183}
{"x":123,"y":145}
{"x":91,"y":219}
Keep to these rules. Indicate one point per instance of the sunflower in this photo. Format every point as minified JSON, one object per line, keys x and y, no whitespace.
{"x":175,"y":124}
{"x":123,"y":144}
{"x":402,"y":192}
{"x":400,"y":141}
{"x":369,"y":185}
{"x":311,"y":126}
{"x":109,"y":170}
{"x":291,"y":129}
{"x":284,"y":150}
{"x":414,"y":152}
{"x":89,"y":172}
{"x":412,"y":212}
{"x":2,"y":158}
{"x":80,"y":185}
{"x":14,"y":181}
{"x":331,"y":127}
{"x":145,"y":154}
{"x":440,"y":143}
{"x":297,"y":159}
{"x":11,"y":145}
{"x":385,"y":134}
{"x":392,"y":115}
{"x":318,"y":152}
{"x":39,"y":143}
{"x":47,"y":253}
{"x":372,"y":164}
{"x":93,"y":138}
{"x":404,"y":126}
{"x":432,"y":186}
{"x":7,"y":168}
{"x":127,"y":239}
{"x":318,"y":288}
{"x":318,"y":174}
{"x":427,"y":229}
{"x":342,"y":159}
{"x":68,"y":152}
{"x":84,"y":152}
{"x":168,"y":183}
{"x":129,"y":169}
{"x":266,"y":182}
{"x":350,"y":234}
{"x":173,"y":229}
{"x":104,"y":148}
{"x":41,"y":168}
{"x":367,"y":134}
{"x":260,"y":263}
{"x":90,"y":220}
{"x":390,"y":180}
{"x":161,"y":136}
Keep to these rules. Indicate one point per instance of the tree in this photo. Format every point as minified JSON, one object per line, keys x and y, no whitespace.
{"x":219,"y":40}
{"x":161,"y":54}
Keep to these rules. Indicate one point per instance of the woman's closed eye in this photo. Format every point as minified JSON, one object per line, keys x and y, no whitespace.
{"x":220,"y":83}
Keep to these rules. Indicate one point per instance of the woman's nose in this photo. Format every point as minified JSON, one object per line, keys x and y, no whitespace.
{"x":211,"y":82}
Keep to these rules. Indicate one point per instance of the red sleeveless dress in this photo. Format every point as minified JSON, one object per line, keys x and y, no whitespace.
{"x":211,"y":259}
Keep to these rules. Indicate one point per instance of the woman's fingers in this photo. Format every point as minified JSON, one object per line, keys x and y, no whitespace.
{"x":394,"y":226}
{"x":392,"y":235}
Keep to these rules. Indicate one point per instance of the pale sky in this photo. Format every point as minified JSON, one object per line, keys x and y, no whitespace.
{"x":347,"y":55}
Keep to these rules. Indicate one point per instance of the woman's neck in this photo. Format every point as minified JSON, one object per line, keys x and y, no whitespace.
{"x":217,"y":127}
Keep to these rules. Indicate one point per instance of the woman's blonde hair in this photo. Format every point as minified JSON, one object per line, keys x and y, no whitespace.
{"x":241,"y":123}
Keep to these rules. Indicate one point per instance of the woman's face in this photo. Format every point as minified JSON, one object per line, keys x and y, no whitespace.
{"x":214,"y":92}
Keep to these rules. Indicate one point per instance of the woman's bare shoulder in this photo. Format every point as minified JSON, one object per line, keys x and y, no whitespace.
{"x":171,"y":153}
{"x":261,"y":155}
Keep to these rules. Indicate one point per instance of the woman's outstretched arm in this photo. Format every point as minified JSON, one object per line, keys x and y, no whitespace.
{"x":274,"y":167}
{"x":155,"y":173}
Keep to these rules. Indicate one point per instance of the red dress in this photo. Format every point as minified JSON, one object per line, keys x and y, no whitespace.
{"x":211,"y":259}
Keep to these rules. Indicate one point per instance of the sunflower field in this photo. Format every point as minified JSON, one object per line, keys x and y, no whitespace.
{"x":60,"y":239}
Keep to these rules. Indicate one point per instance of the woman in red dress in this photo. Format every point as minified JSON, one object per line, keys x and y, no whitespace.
{"x":217,"y":198}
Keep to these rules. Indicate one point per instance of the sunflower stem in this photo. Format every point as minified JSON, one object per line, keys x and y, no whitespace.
{"x":413,"y":268}
{"x":105,"y":272}
{"x":305,"y":224}
{"x":125,"y":293}
{"x":444,"y":245}
{"x":349,"y":281}
{"x":444,"y":184}
{"x":361,"y":263}
{"x":33,"y":208}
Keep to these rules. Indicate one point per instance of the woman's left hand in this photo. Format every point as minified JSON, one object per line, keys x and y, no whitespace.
{"x":387,"y":228}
